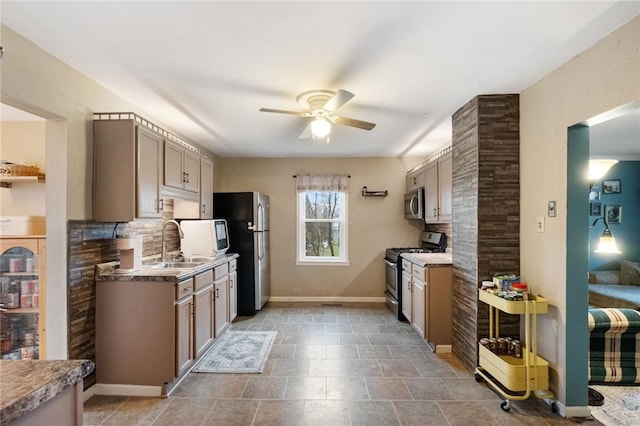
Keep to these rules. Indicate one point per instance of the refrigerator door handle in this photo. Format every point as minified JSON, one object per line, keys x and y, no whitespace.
{"x":260,"y":245}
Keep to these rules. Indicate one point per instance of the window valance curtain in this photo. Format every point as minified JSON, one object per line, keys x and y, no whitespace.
{"x":322,"y":182}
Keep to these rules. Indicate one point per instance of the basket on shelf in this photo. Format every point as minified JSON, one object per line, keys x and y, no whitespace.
{"x":10,"y":169}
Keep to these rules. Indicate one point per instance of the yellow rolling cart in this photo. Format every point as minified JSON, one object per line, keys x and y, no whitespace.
{"x":512,"y":377}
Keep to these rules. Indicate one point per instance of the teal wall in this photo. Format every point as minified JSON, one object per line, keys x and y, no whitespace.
{"x":576,"y":332}
{"x":627,"y":233}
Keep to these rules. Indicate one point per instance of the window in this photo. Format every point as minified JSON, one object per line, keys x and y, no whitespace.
{"x":322,"y":227}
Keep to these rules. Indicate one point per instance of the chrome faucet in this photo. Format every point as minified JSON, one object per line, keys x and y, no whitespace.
{"x":164,"y":244}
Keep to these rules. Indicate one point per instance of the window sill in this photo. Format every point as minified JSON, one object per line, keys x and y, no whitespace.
{"x":322,"y":263}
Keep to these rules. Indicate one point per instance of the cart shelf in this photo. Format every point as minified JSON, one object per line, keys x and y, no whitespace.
{"x":514,"y":307}
{"x":511,"y":372}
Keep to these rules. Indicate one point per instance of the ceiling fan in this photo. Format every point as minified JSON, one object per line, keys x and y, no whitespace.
{"x":321,"y":105}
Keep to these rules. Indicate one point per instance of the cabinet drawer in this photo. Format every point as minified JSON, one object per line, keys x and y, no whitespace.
{"x":418,"y":272}
{"x":221,"y":271}
{"x":233,"y":265}
{"x":203,"y":279}
{"x":184,"y":288}
{"x":406,"y":265}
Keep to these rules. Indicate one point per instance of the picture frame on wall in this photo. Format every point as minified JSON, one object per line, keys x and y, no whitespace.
{"x":595,"y":209}
{"x":613,"y":214}
{"x":612,"y":186}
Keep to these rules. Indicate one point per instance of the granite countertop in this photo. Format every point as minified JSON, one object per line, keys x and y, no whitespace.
{"x":429,"y":259}
{"x":109,"y":272}
{"x":27,"y":384}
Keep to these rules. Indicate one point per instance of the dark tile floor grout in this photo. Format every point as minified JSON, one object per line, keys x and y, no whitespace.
{"x":330,"y":365}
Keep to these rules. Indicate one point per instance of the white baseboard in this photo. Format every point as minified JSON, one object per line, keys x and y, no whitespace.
{"x":443,"y":349}
{"x":577,"y":411}
{"x":332,"y":299}
{"x":88,"y":393}
{"x":125,"y":390}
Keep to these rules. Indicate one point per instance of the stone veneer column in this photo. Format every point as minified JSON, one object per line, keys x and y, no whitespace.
{"x":486,"y":213}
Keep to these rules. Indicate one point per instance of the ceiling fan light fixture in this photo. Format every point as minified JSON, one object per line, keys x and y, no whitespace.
{"x":320,"y":127}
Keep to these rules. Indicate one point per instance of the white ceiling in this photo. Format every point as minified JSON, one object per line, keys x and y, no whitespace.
{"x":204,"y":68}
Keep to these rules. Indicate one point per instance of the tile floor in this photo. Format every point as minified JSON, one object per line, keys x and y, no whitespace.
{"x":330,"y":365}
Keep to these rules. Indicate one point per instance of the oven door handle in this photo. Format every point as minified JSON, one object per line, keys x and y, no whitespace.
{"x":391,"y":264}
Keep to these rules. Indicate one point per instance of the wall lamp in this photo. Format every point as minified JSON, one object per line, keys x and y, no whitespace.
{"x":597,"y":169}
{"x":607,"y":243}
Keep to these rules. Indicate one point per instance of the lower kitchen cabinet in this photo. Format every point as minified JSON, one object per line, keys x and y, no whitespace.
{"x":151,"y":329}
{"x":204,"y":311}
{"x":407,"y":293}
{"x":184,"y":328}
{"x":221,"y":301}
{"x":431,"y":304}
{"x":233,"y":290}
{"x":418,"y":307}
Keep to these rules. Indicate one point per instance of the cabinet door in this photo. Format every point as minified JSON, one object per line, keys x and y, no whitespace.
{"x":418,"y":298}
{"x":221,"y":303}
{"x":415,"y":180}
{"x":149,"y":153}
{"x":406,"y":294}
{"x":431,"y":193}
{"x":203,"y":319}
{"x":233,"y":295}
{"x":445,"y":187}
{"x":173,"y":165}
{"x":184,"y":335}
{"x":206,"y":189}
{"x":191,"y":171}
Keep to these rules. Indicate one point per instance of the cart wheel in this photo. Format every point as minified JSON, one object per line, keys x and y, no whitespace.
{"x":478,"y":377}
{"x":505,"y":405}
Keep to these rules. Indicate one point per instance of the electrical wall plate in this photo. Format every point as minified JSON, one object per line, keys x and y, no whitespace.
{"x":551,"y":209}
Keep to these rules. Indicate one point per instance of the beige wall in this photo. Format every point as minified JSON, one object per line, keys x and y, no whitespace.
{"x":23,"y":142}
{"x":603,"y":77}
{"x":37,"y":82}
{"x":375,"y":223}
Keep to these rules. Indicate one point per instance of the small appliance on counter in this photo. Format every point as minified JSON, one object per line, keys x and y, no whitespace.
{"x":206,"y":238}
{"x":130,"y":248}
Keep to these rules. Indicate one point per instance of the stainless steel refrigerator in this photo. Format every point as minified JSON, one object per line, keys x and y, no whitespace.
{"x":247,"y":215}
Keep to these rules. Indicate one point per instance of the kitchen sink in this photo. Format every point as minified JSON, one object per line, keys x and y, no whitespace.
{"x":177,"y":265}
{"x":204,"y":259}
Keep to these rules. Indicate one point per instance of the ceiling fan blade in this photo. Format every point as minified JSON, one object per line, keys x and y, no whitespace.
{"x":306,"y":133}
{"x":281,"y":111}
{"x":340,"y":98}
{"x":354,"y":123}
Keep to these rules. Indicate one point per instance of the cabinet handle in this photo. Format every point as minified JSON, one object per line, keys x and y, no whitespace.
{"x":160,"y":207}
{"x":204,"y":208}
{"x":217,"y":295}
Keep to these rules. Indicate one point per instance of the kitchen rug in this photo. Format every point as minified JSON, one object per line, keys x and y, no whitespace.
{"x":237,"y":352}
{"x":621,"y":405}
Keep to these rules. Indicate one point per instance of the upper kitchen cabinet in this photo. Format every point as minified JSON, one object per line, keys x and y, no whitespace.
{"x":127,"y":170}
{"x":438,"y":186}
{"x":188,"y":209}
{"x":206,"y":188}
{"x":415,"y":179}
{"x":181,"y":171}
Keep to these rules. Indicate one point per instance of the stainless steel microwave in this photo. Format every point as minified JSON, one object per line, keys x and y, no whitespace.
{"x":414,"y":204}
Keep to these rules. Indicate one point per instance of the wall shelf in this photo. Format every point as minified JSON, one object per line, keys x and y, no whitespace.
{"x":367,"y":193}
{"x":8,"y":181}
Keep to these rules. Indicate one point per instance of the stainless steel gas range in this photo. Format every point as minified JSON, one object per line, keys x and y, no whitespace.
{"x":431,"y":242}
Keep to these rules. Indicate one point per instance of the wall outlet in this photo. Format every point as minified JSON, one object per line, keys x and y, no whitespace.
{"x":540,"y":224}
{"x":296,"y":290}
{"x":551,"y":209}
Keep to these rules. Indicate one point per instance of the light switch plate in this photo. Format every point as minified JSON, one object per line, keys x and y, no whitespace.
{"x":540,"y":224}
{"x":551,"y":209}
